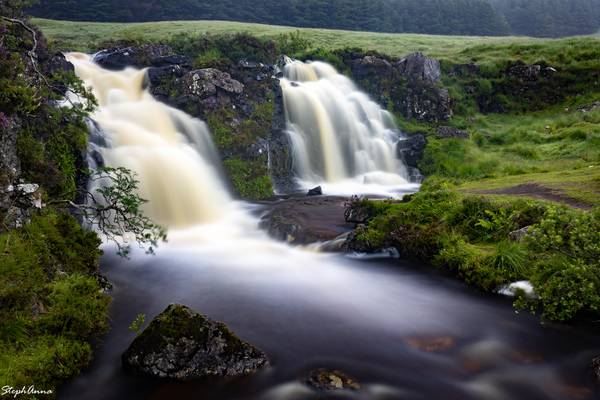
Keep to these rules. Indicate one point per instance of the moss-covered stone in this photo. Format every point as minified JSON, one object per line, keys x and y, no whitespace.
{"x":183,"y":344}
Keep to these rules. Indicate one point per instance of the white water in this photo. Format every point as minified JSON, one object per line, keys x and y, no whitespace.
{"x":171,"y":153}
{"x":341,"y":139}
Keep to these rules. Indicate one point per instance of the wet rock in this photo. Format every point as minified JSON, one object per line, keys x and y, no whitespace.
{"x":318,"y":191}
{"x":304,"y":220}
{"x":519,"y":234}
{"x":417,"y":66}
{"x":323,"y":379}
{"x":183,"y":344}
{"x":411,"y":149}
{"x":595,"y":365}
{"x":58,"y":64}
{"x":157,"y":74}
{"x":445,"y":132}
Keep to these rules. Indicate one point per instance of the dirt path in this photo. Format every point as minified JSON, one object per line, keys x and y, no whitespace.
{"x":538,"y":192}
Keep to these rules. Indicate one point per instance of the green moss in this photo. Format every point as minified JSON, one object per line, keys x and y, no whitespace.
{"x":250,"y":177}
{"x":51,"y":305}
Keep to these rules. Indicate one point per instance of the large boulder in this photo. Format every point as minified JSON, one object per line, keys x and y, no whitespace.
{"x":411,"y":149}
{"x":417,"y":66}
{"x":367,"y":65}
{"x":183,"y":344}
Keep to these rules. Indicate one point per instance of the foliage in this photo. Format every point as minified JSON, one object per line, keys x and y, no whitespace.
{"x":138,"y":324}
{"x":51,"y":302}
{"x":468,"y":235}
{"x":115,"y":208}
{"x":250,"y":178}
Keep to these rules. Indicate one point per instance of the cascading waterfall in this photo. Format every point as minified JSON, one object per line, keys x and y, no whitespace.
{"x":338,"y":135}
{"x":171,"y":153}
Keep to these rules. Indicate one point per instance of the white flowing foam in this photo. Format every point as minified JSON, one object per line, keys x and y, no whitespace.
{"x":341,"y":139}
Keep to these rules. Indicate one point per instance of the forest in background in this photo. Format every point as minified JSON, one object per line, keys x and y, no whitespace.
{"x":543,"y":18}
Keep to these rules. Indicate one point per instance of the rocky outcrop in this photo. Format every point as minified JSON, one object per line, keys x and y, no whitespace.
{"x":325,"y":380}
{"x":210,"y":87}
{"x":411,"y":149}
{"x":595,"y":365}
{"x":448,"y":132}
{"x":183,"y":344}
{"x":411,"y":85}
{"x":418,"y":67}
{"x":156,"y":55}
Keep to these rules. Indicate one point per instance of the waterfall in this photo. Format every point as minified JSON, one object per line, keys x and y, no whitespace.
{"x":339,"y":136}
{"x":171,"y":153}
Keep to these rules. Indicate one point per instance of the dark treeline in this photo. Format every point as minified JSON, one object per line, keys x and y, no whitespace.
{"x":456,"y":17}
{"x":550,"y":18}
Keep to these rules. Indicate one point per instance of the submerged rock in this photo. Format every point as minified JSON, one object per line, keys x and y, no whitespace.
{"x":183,"y":344}
{"x":324,"y":379}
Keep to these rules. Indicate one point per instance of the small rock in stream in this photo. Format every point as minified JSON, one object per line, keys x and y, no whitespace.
{"x":318,"y":191}
{"x":324,"y":379}
{"x":182,"y":344}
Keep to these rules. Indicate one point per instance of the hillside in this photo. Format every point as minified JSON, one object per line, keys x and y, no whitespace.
{"x":541,"y":18}
{"x":461,"y":17}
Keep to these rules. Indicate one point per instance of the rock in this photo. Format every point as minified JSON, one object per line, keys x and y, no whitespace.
{"x":356,"y":212}
{"x":445,"y":132}
{"x":525,"y":72}
{"x":519,"y":234}
{"x":183,"y":344}
{"x":589,"y":107}
{"x":203,"y":83}
{"x":304,"y":220}
{"x":417,"y":66}
{"x":411,"y":149}
{"x":157,"y":55}
{"x":595,"y":365}
{"x":9,"y":162}
{"x":324,"y":379}
{"x":157,"y":74}
{"x":369,"y":65}
{"x":318,"y":191}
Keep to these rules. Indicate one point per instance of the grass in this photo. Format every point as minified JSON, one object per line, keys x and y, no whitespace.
{"x":85,"y":36}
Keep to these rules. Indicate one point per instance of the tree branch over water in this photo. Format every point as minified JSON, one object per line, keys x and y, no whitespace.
{"x":115,"y":209}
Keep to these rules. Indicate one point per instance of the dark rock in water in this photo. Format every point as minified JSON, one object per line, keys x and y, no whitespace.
{"x":445,"y":132}
{"x":324,"y":379}
{"x":318,"y":191}
{"x":157,"y":74}
{"x":183,"y":344}
{"x":596,"y":368}
{"x":417,"y":66}
{"x":411,"y":149}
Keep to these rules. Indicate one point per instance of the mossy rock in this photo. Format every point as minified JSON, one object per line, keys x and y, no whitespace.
{"x":182,"y":344}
